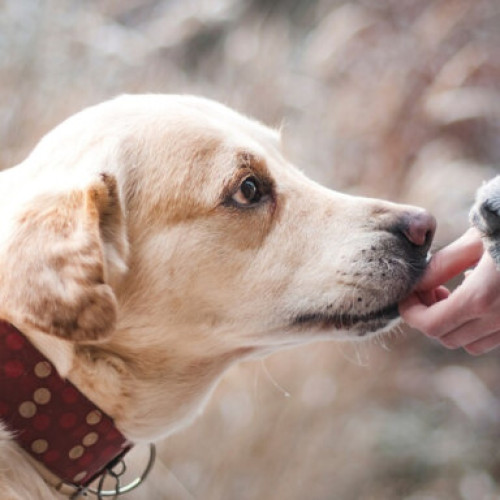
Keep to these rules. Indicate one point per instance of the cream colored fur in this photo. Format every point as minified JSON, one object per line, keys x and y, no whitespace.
{"x":126,"y":261}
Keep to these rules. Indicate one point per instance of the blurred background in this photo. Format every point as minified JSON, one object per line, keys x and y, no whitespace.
{"x":398,"y":99}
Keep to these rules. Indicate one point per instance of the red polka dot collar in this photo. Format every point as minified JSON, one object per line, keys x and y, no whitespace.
{"x":50,"y":418}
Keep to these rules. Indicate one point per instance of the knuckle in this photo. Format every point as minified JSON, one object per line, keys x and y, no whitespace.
{"x":411,"y":318}
{"x":482,"y":303}
{"x":431,"y":328}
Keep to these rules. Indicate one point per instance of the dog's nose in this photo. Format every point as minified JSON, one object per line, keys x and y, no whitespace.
{"x":418,"y":228}
{"x":490,"y":212}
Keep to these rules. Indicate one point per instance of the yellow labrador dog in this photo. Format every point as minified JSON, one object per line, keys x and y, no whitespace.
{"x":150,"y":242}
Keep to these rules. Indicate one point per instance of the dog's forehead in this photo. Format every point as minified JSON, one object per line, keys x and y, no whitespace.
{"x":184,"y":151}
{"x":204,"y":132}
{"x":204,"y":126}
{"x":229,"y":120}
{"x":198,"y":108}
{"x":152,"y":115}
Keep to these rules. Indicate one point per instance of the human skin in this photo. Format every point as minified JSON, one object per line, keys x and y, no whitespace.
{"x":468,"y":317}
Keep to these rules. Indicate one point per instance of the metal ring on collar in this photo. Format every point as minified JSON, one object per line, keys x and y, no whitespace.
{"x":121,"y":490}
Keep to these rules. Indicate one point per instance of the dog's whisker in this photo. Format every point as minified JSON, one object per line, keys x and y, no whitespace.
{"x":382,"y":344}
{"x":357,"y":360}
{"x":273,"y":381}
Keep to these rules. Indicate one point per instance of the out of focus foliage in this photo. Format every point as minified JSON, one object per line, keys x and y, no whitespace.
{"x":392,"y":98}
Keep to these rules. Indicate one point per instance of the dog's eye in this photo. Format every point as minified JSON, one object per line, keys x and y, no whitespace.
{"x":249,"y":192}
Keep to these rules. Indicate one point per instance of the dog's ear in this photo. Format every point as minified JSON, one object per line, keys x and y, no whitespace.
{"x":65,"y":254}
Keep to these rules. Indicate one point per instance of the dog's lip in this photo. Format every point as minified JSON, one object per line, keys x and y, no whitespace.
{"x":341,"y":321}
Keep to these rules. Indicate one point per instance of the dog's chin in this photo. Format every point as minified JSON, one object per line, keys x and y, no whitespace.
{"x":351,"y":325}
{"x":372,"y":330}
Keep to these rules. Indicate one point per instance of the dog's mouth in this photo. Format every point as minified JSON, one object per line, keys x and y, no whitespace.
{"x":390,"y":283}
{"x":367,"y":322}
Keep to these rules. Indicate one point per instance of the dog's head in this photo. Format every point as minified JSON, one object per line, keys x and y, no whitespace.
{"x":172,"y":224}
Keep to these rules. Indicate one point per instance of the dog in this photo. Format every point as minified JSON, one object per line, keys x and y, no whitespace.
{"x":150,"y":242}
{"x":485,"y":217}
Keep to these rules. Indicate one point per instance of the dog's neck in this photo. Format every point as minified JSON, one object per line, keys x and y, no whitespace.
{"x":168,"y":387}
{"x":155,"y":391}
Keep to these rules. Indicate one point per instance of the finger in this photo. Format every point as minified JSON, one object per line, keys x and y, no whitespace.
{"x":439,"y":319}
{"x":413,"y":301}
{"x":442,"y":293}
{"x":430,"y":297}
{"x":484,"y":345}
{"x":452,"y":260}
{"x":468,"y":333}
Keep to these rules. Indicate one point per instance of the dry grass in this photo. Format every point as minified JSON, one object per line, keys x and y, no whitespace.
{"x":393,"y":98}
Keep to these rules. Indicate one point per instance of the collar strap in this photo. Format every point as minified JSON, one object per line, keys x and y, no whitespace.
{"x":50,"y":418}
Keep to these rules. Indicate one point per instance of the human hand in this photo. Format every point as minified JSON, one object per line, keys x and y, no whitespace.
{"x":470,"y":316}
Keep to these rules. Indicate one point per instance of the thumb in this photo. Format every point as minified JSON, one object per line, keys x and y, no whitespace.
{"x":463,"y":253}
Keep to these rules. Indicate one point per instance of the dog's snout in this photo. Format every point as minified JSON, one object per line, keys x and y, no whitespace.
{"x":419,"y":228}
{"x":490,"y":213}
